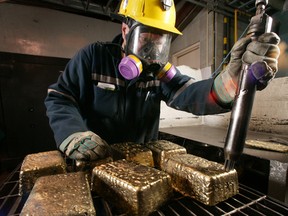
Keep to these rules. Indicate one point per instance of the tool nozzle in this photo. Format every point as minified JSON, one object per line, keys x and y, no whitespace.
{"x":263,"y":2}
{"x":229,"y":165}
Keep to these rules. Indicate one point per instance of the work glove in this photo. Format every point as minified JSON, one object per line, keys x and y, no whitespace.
{"x":85,"y":146}
{"x":264,"y":49}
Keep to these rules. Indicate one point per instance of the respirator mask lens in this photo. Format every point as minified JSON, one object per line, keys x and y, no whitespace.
{"x":150,"y":45}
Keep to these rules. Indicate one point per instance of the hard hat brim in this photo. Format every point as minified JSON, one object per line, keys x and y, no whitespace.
{"x":157,"y":24}
{"x":119,"y":17}
{"x":148,"y":22}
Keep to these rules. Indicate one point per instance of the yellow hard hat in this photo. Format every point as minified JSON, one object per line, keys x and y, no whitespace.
{"x":159,"y":14}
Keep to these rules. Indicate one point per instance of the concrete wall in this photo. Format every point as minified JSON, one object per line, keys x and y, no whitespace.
{"x":45,"y":32}
{"x":207,"y":29}
{"x":196,"y":31}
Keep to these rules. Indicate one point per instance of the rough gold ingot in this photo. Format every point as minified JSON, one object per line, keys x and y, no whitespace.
{"x":132,"y":188}
{"x":37,"y":165}
{"x":201,"y":179}
{"x":272,"y":146}
{"x":133,"y":152}
{"x":162,"y":149}
{"x":62,"y":194}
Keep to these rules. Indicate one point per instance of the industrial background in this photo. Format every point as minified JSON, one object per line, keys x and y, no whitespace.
{"x":37,"y":39}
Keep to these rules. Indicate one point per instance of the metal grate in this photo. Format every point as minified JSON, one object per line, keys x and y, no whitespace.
{"x":247,"y":202}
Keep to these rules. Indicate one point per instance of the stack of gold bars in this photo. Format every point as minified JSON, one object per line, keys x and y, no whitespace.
{"x":136,"y":179}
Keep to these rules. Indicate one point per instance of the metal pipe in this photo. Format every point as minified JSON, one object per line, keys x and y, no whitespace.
{"x":205,"y":5}
{"x":235,"y":25}
{"x":225,"y":40}
{"x":245,"y":4}
{"x":234,"y":1}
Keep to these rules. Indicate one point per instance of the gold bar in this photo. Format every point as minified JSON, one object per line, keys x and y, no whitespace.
{"x":37,"y":165}
{"x":203,"y":180}
{"x":62,"y":194}
{"x":133,"y":152}
{"x":163,"y":149}
{"x":267,"y":145}
{"x":132,"y":188}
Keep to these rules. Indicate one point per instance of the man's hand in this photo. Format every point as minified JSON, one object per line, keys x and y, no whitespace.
{"x":85,"y":146}
{"x":264,"y":49}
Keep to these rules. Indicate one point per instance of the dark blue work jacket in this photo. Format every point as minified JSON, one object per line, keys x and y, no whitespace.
{"x":92,"y":95}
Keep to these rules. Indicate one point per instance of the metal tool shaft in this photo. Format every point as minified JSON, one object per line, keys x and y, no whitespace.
{"x":243,"y":103}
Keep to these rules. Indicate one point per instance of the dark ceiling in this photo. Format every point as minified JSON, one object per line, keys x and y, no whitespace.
{"x":186,"y":9}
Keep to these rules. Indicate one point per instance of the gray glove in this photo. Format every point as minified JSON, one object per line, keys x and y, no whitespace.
{"x":85,"y":146}
{"x":265,"y":48}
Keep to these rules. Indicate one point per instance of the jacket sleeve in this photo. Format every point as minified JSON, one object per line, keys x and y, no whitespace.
{"x":184,"y":93}
{"x":64,"y":97}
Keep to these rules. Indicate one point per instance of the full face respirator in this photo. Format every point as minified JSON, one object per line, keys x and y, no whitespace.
{"x":147,"y":49}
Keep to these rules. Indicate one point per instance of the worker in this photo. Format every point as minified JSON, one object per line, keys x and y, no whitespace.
{"x":110,"y":92}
